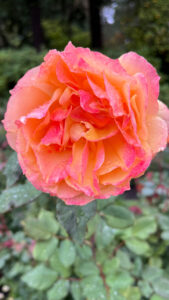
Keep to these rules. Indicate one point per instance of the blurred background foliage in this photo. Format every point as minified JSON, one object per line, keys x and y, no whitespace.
{"x":124,"y":255}
{"x":28,"y":28}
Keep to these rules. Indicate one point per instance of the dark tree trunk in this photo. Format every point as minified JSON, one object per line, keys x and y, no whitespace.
{"x":63,"y":7}
{"x":37,"y":31}
{"x":95,"y":24}
{"x":3,"y":40}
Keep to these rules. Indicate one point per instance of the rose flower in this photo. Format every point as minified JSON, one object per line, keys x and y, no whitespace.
{"x":83,"y":125}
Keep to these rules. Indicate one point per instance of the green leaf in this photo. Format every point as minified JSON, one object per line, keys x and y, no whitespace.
{"x":111,"y":265}
{"x":92,"y":226}
{"x":40,"y":278}
{"x":17,"y":269}
{"x":76,"y":290}
{"x":12,"y":170}
{"x":25,"y":256}
{"x":17,"y":196}
{"x":132,"y":293}
{"x":152,"y":273}
{"x":101,"y":256}
{"x":41,"y":228}
{"x":56,"y":265}
{"x":156,"y":297}
{"x":164,"y":222}
{"x":120,"y":280}
{"x":114,"y":295}
{"x":104,"y":234}
{"x":161,"y":287}
{"x":137,"y":267}
{"x":93,"y":288}
{"x":84,"y":252}
{"x":67,"y":253}
{"x":161,"y":248}
{"x":145,"y":288}
{"x":138,"y":246}
{"x":48,"y":220}
{"x":59,"y":290}
{"x":4,"y":256}
{"x":35,"y":229}
{"x":155,"y":261}
{"x":144,"y":226}
{"x":43,"y":250}
{"x":102,"y":203}
{"x":126,"y":233}
{"x":124,"y":260}
{"x":165,"y":235}
{"x":74,"y":218}
{"x":86,"y":269}
{"x":118,"y":216}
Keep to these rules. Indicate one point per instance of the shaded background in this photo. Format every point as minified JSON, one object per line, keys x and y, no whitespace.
{"x":28,"y":28}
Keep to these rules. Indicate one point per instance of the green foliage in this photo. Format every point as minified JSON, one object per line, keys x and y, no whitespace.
{"x":75,"y":218}
{"x":17,"y":195}
{"x":12,"y":170}
{"x":67,"y":253}
{"x":164,"y":92}
{"x":138,"y":247}
{"x":123,"y":263}
{"x":56,"y":33}
{"x":40,"y":278}
{"x":43,"y":227}
{"x":118,"y":217}
{"x":14,"y":64}
{"x":147,"y":23}
{"x":144,"y":226}
{"x":56,"y":265}
{"x":44,"y":250}
{"x":76,"y":291}
{"x":59,"y":290}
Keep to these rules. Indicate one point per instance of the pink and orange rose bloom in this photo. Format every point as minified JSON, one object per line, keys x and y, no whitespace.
{"x":83,"y":125}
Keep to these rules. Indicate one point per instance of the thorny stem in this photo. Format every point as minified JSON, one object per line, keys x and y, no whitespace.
{"x":117,"y":248}
{"x":93,"y":245}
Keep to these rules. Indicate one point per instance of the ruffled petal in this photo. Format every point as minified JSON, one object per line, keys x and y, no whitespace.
{"x":134,"y":63}
{"x":163,"y":113}
{"x":53,"y":164}
{"x":157,"y":134}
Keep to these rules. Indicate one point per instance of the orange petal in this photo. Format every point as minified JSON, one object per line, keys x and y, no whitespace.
{"x":19,"y":105}
{"x":115,"y":99}
{"x":157,"y":134}
{"x":53,"y":135}
{"x":99,"y":120}
{"x":134,"y":63}
{"x":114,"y":177}
{"x":64,"y":191}
{"x":88,"y":102}
{"x":163,"y":113}
{"x":81,"y":199}
{"x":118,"y":153}
{"x":52,"y":164}
{"x":87,"y":60}
{"x":77,"y":131}
{"x":79,"y":160}
{"x":95,"y":134}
